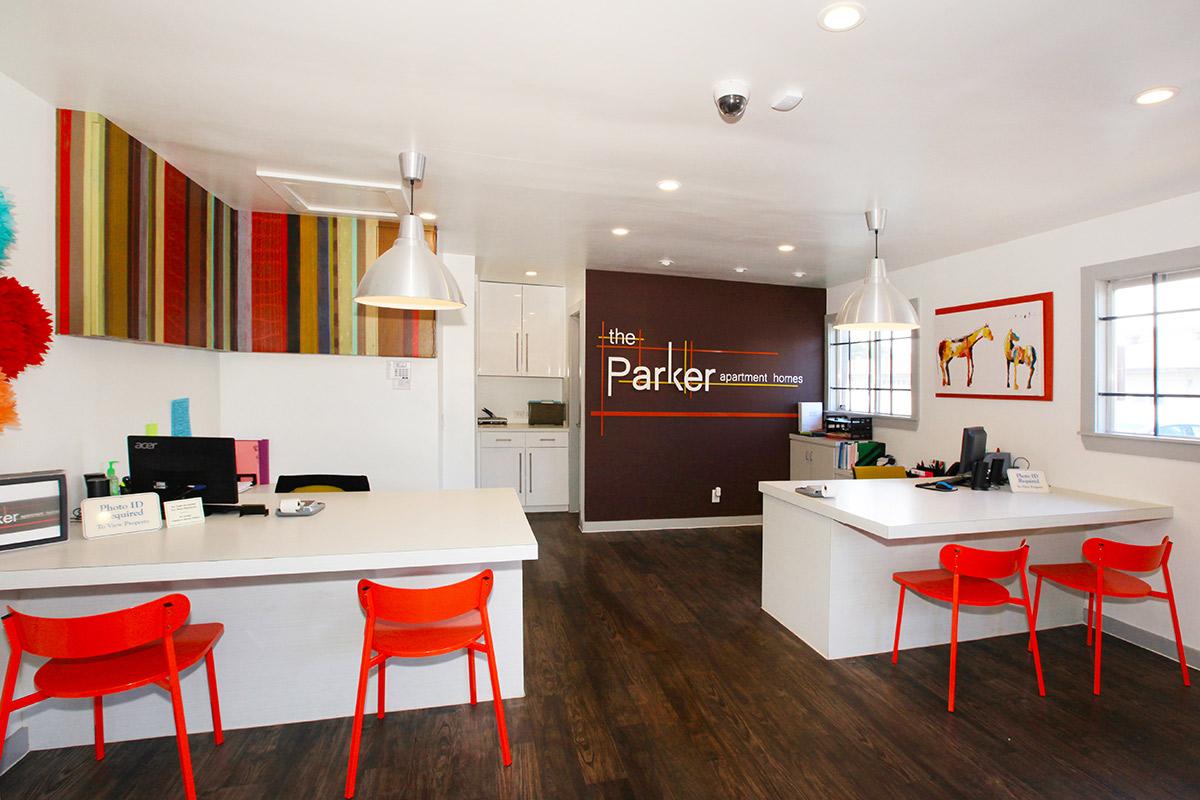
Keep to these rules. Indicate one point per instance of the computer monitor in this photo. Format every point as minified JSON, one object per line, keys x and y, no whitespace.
{"x":176,"y":467}
{"x":974,"y":446}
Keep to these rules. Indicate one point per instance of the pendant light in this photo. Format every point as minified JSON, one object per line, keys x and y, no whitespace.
{"x":409,"y":275}
{"x":877,"y":305}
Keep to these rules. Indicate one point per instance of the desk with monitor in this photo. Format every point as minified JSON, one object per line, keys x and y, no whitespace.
{"x":285,"y":590}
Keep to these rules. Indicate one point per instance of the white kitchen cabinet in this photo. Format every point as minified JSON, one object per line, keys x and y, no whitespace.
{"x":815,"y":459}
{"x":544,"y":328}
{"x":521,"y":330}
{"x":534,"y":463}
{"x":498,"y":323}
{"x":502,"y":468}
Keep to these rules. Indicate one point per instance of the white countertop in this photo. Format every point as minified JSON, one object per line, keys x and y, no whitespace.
{"x":357,"y":531}
{"x":521,"y":426}
{"x":896,"y":509}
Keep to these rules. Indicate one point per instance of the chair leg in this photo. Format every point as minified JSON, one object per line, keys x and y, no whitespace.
{"x":356,"y":734}
{"x":1187,"y":681}
{"x":498,"y":704}
{"x":1037,"y":601}
{"x":10,"y":688}
{"x":98,"y":716}
{"x":1099,"y":629}
{"x":381,"y":677}
{"x":471,"y":672}
{"x":899,"y":617}
{"x":185,"y":753}
{"x":953,"y":650}
{"x":214,"y":701}
{"x":1091,"y":611}
{"x":1037,"y":656}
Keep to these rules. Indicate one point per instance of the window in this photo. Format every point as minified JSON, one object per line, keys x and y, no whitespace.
{"x":1149,"y":330}
{"x":1140,"y":335}
{"x":871,"y":372}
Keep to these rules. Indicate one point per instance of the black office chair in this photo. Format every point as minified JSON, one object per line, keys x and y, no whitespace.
{"x":288,"y":484}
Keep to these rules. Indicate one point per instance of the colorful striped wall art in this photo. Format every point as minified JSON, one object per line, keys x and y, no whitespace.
{"x":147,"y":254}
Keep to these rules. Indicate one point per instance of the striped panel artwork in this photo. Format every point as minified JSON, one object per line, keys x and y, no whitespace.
{"x":147,"y":254}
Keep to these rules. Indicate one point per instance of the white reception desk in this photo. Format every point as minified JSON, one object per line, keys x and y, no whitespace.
{"x":285,"y":590}
{"x":828,"y":563}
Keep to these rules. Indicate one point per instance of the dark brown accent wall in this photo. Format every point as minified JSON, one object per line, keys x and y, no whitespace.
{"x":658,"y":454}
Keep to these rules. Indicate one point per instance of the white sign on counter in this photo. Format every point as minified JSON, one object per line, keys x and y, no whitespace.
{"x":1028,"y":480}
{"x":129,"y":513}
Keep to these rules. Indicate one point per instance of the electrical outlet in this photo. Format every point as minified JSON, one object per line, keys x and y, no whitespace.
{"x":716,"y":494}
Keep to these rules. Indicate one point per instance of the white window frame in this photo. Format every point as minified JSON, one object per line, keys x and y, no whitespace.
{"x":1093,"y":296}
{"x":907,"y":422}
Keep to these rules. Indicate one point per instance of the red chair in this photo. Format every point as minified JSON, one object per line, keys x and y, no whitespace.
{"x":968,"y":579}
{"x":1099,"y":575}
{"x":417,"y":623}
{"x":110,"y":653}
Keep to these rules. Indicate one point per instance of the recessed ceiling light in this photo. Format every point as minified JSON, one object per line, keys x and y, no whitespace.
{"x":1159,"y":94}
{"x":666,"y":262}
{"x":786,"y":248}
{"x":739,"y":269}
{"x":839,"y":17}
{"x":799,"y":274}
{"x":531,"y":273}
{"x":669,"y":184}
{"x":620,"y":231}
{"x":428,"y":216}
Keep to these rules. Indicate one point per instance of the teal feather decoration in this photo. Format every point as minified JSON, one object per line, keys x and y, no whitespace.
{"x":8,"y":232}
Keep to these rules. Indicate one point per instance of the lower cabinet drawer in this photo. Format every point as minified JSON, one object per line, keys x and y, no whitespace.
{"x":546,"y":439}
{"x":502,"y":439}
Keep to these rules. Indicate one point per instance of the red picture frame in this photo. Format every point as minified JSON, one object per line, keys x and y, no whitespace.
{"x":1020,"y":355}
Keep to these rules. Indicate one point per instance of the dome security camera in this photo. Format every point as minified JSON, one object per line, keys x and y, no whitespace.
{"x":731,"y":97}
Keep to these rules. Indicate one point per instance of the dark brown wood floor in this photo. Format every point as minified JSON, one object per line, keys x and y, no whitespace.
{"x":652,"y":673}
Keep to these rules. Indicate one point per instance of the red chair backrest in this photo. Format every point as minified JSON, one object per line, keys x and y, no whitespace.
{"x":1132,"y":557}
{"x":975,"y":563}
{"x":425,"y":605}
{"x":98,"y":635}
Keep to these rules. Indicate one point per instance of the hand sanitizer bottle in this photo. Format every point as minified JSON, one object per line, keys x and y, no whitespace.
{"x":114,"y":484}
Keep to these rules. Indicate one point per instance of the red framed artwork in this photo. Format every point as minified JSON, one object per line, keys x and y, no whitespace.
{"x":996,"y":350}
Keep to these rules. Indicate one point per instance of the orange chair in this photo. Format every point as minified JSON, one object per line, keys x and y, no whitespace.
{"x":110,"y":653}
{"x":417,"y":623}
{"x":968,"y":578}
{"x":1099,"y":575}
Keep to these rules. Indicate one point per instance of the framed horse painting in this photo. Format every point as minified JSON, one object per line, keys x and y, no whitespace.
{"x":997,"y":350}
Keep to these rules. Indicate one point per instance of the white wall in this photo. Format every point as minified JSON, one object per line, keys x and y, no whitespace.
{"x":1047,"y":433}
{"x":509,"y":397}
{"x":341,"y":414}
{"x":77,"y":408}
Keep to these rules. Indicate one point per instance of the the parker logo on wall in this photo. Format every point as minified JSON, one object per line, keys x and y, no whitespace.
{"x":678,"y":372}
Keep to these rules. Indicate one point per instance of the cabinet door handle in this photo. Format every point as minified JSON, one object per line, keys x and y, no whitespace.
{"x":504,"y":440}
{"x":547,"y":440}
{"x":527,"y":352}
{"x":531,"y":473}
{"x":520,"y":474}
{"x":517,"y":351}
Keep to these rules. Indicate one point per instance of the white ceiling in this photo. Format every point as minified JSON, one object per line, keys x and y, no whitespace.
{"x":548,"y":123}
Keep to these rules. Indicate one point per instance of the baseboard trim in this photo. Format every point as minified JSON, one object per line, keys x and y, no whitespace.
{"x":16,"y":747}
{"x":612,"y":526}
{"x":1149,"y":641}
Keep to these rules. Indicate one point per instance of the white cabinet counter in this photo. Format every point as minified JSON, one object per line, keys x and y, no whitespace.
{"x":533,"y":461}
{"x":284,"y":587}
{"x":827,"y":563}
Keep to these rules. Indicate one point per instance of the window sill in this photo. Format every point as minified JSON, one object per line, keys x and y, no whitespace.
{"x":889,"y":421}
{"x":1148,"y":446}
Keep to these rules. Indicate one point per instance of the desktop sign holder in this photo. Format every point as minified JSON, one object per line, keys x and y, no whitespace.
{"x":1028,"y":480}
{"x":127,"y":513}
{"x":33,"y":509}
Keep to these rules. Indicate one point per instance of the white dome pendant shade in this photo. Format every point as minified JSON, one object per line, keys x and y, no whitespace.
{"x":877,"y":305}
{"x":409,"y":275}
